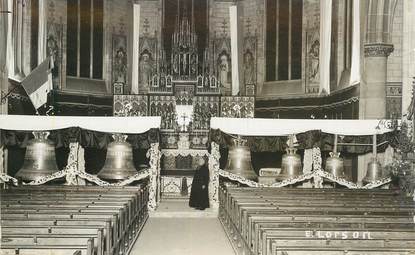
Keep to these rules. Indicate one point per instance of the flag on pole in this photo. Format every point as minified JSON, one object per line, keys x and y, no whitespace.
{"x":39,"y":83}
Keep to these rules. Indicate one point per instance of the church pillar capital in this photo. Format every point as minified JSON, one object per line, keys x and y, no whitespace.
{"x":378,"y":49}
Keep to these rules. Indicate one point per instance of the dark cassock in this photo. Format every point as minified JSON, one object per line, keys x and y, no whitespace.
{"x":199,"y":195}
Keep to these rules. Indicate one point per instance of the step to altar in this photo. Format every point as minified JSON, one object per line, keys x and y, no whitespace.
{"x":178,"y":207}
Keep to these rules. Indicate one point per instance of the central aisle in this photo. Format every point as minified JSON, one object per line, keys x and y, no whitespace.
{"x":182,"y":236}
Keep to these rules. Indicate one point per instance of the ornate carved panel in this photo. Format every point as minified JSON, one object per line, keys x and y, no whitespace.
{"x":238,"y":107}
{"x":130,"y":105}
{"x":164,"y":106}
{"x":393,"y":100}
{"x":176,"y":185}
{"x":205,"y":107}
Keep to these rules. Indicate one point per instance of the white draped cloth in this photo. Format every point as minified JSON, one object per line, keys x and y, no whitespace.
{"x":355,"y":67}
{"x":125,"y":125}
{"x":325,"y":45}
{"x":283,"y":127}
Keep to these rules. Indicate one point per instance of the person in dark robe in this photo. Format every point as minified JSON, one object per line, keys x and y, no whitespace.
{"x":199,"y":195}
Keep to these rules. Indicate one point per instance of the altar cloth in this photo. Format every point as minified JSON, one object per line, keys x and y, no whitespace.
{"x":125,"y":125}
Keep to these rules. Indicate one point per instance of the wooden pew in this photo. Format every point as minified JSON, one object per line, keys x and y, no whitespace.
{"x":257,"y":219}
{"x":89,"y":244}
{"x":52,"y":212}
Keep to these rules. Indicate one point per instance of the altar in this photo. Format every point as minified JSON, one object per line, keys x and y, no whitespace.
{"x":186,"y":86}
{"x":178,"y":168}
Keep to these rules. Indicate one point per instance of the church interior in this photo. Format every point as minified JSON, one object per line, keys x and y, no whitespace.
{"x":281,"y":127}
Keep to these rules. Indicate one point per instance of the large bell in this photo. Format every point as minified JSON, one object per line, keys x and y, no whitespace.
{"x":39,"y":159}
{"x":119,"y":162}
{"x":239,"y":160}
{"x":291,"y":166}
{"x":335,"y":165}
{"x":374,"y":172}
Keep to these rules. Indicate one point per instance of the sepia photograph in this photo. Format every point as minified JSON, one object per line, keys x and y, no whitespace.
{"x":207,"y":127}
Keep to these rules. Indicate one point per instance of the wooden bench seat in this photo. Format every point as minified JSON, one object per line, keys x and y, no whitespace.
{"x":268,"y":220}
{"x":75,"y":189}
{"x":336,"y":251}
{"x":52,"y":244}
{"x":48,"y":250}
{"x":268,"y":234}
{"x":41,"y":219}
{"x":247,"y":229}
{"x":36,"y":230}
{"x":280,"y":243}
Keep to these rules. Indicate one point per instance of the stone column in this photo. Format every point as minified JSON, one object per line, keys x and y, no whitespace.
{"x":42,"y":32}
{"x":373,"y":90}
{"x":136,"y":49}
{"x":372,"y":103}
{"x":4,"y":17}
{"x":235,"y":14}
{"x":408,"y":54}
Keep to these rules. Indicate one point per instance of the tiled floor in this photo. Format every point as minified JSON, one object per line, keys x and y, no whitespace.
{"x":198,"y":234}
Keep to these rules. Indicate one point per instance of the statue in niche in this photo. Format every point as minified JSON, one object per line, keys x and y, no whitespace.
{"x":314,"y":60}
{"x":193,"y":64}
{"x":53,"y":50}
{"x":224,"y":69}
{"x":249,"y":68}
{"x":163,"y":82}
{"x":206,"y":82}
{"x":185,"y":64}
{"x":176,"y":64}
{"x":146,"y":68}
{"x":120,"y":65}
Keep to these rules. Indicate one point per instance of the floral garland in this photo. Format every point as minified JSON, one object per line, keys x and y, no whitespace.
{"x":92,"y":178}
{"x":72,"y":166}
{"x":318,"y":174}
{"x":214,"y":168}
{"x":253,"y":184}
{"x":71,"y":173}
{"x":317,"y":162}
{"x":4,"y":178}
{"x":137,"y":177}
{"x":238,"y":178}
{"x":48,"y":178}
{"x":154,"y":155}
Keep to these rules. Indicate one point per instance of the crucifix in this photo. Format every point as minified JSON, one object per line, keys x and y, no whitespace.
{"x":184,"y":117}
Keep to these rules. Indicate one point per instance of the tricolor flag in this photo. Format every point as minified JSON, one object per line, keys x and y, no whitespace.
{"x":39,"y":83}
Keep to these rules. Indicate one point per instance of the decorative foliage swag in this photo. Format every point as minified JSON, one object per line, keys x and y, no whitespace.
{"x":86,"y":138}
{"x":306,"y":140}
